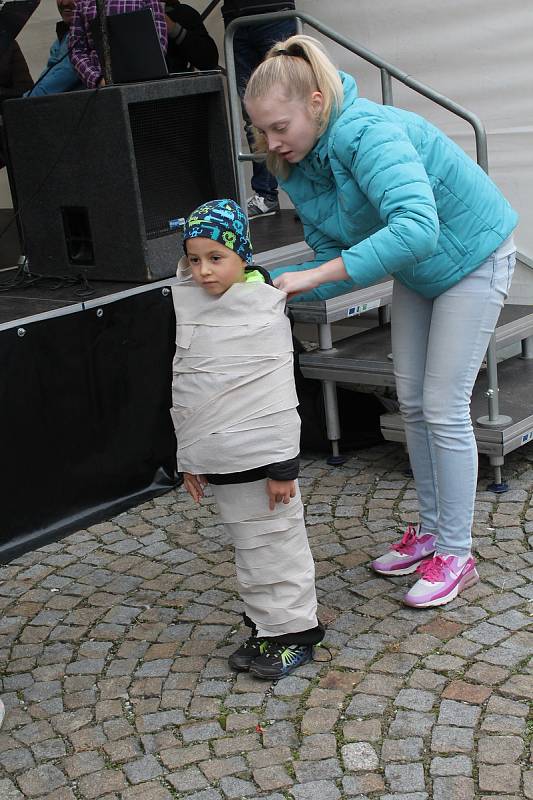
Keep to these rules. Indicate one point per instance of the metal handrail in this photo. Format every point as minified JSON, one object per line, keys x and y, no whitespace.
{"x":388,"y":71}
{"x":211,"y":7}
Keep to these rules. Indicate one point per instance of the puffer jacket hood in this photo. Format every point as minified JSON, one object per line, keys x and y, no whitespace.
{"x":392,"y":195}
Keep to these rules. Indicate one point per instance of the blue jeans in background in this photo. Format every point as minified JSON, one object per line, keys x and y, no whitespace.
{"x":438,"y":348}
{"x":250,"y":45}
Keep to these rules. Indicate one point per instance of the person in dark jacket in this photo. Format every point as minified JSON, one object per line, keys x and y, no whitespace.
{"x":382,"y":192}
{"x":59,"y":74}
{"x":250,"y":45}
{"x":15,"y":78}
{"x":189,"y":44}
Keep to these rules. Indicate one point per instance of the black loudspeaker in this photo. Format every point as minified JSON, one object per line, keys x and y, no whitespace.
{"x":102,"y":177}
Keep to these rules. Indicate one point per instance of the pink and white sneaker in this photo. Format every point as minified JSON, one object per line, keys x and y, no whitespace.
{"x":404,"y":557}
{"x":443,"y":577}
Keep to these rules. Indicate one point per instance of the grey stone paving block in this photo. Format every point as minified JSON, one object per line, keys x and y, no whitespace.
{"x":318,"y":746}
{"x":453,"y":788}
{"x":83,"y":763}
{"x":290,"y":686}
{"x":201,"y":732}
{"x":501,"y":723}
{"x":41,"y":779}
{"x":502,"y":778}
{"x":528,"y":783}
{"x":213,"y":688}
{"x":359,"y":756}
{"x":217,"y":768}
{"x":405,"y":777}
{"x":87,"y":666}
{"x":462,"y":647}
{"x":148,"y":723}
{"x":415,"y":699}
{"x":444,"y":663}
{"x":187,"y":780}
{"x":403,"y":796}
{"x":52,"y":748}
{"x":461,"y":714}
{"x":236,"y":744}
{"x":17,"y":760}
{"x":409,"y":749}
{"x":237,"y":788}
{"x":447,"y":739}
{"x":395,"y":663}
{"x":177,"y":757}
{"x":175,"y":633}
{"x":455,"y":765}
{"x":309,"y":771}
{"x":12,"y":683}
{"x":280,"y":709}
{"x":352,"y":659}
{"x":35,"y":732}
{"x":280,"y":733}
{"x":272,"y":777}
{"x":158,"y":668}
{"x":362,"y":730}
{"x":500,"y":749}
{"x":315,"y":790}
{"x":513,"y":620}
{"x":122,"y":615}
{"x":501,"y":602}
{"x":504,"y":705}
{"x":381,"y":685}
{"x":411,"y":723}
{"x":144,"y":769}
{"x":209,"y":794}
{"x":8,"y":790}
{"x":502,"y":656}
{"x":245,"y":700}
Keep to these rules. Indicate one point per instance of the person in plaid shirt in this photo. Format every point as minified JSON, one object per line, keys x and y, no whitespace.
{"x":82,"y":50}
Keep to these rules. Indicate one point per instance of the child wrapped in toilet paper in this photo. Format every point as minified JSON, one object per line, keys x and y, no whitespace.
{"x":237,"y":428}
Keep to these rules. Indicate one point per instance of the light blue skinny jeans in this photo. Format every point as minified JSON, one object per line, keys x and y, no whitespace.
{"x":438,"y":346}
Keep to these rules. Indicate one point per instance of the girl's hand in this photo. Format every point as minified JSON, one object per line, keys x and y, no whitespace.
{"x":195,"y":485}
{"x":293,"y":283}
{"x":279,"y":492}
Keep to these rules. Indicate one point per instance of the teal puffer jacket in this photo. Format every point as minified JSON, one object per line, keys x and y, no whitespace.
{"x":393,"y":195}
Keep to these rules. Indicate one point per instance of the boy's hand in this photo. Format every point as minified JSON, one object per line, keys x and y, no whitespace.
{"x":194,"y":485}
{"x":279,"y":492}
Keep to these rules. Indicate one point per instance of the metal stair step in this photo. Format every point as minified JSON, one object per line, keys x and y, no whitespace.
{"x":365,"y":357}
{"x":515,"y":378}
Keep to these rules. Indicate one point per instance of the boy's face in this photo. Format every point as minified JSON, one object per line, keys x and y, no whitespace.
{"x":214,"y":266}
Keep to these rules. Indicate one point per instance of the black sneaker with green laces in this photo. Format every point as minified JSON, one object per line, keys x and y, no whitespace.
{"x":241,"y":659}
{"x":278,"y":660}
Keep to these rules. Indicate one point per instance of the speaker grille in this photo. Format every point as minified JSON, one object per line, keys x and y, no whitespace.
{"x":171,"y":145}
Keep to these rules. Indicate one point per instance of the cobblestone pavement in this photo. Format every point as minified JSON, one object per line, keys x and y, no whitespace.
{"x":113,"y":644}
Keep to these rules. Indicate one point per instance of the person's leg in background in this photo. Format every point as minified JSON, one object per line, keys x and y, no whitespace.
{"x":251,"y":43}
